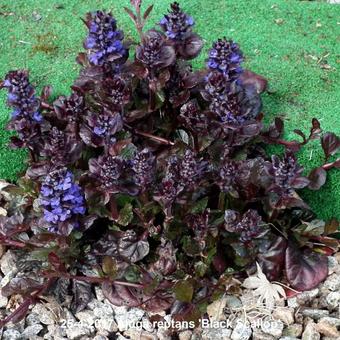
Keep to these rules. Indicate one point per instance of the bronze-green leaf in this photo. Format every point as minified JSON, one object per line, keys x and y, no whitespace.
{"x":125,"y":215}
{"x":184,"y":290}
{"x":109,"y":266}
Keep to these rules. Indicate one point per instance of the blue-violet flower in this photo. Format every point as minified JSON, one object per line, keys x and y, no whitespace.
{"x":226,"y":57}
{"x":101,"y":128}
{"x":176,"y":24}
{"x":21,"y":96}
{"x":61,"y":198}
{"x":104,"y":42}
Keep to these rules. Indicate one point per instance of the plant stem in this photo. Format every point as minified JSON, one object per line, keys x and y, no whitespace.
{"x":221,"y":201}
{"x":139,"y":23}
{"x":331,"y":165}
{"x":32,"y":156}
{"x":196,"y":143}
{"x":12,"y":243}
{"x":152,"y":94}
{"x":93,"y":279}
{"x":20,"y":312}
{"x":149,"y":135}
{"x":155,"y":138}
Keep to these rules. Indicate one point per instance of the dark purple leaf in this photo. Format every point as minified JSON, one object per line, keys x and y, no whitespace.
{"x":219,"y":262}
{"x":11,"y":225}
{"x":82,"y":59}
{"x":147,"y":12}
{"x":330,"y":144}
{"x":38,"y":169}
{"x":301,"y":134}
{"x":279,"y":125}
{"x":168,"y":56}
{"x":136,"y":114}
{"x":139,"y":70}
{"x":249,"y":78}
{"x":305,"y":269}
{"x":159,"y":302}
{"x":183,"y":311}
{"x":271,"y":256}
{"x":106,"y":245}
{"x":130,"y":247}
{"x":317,"y":178}
{"x":20,"y":285}
{"x":120,"y":295}
{"x":192,"y":79}
{"x":275,"y":129}
{"x":16,"y":143}
{"x":162,"y":79}
{"x":166,"y":263}
{"x":61,"y":289}
{"x":180,"y":99}
{"x":251,"y":129}
{"x":46,"y":93}
{"x":315,"y":124}
{"x":18,"y":314}
{"x":130,"y":13}
{"x":300,"y":182}
{"x":41,"y":240}
{"x":88,"y":221}
{"x":82,"y":295}
{"x":191,"y":47}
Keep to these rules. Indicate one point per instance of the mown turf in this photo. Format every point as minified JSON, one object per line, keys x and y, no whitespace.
{"x":295,"y":44}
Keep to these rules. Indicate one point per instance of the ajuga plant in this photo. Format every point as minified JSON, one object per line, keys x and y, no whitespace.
{"x":152,"y":179}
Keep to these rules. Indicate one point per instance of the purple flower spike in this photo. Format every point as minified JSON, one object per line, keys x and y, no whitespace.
{"x":286,"y":176}
{"x":143,"y":166}
{"x":249,"y":225}
{"x":26,"y":117}
{"x":154,"y":52}
{"x":231,"y":103}
{"x":21,"y":96}
{"x":104,"y":41}
{"x":226,"y":57}
{"x":62,"y":201}
{"x":107,"y":171}
{"x":176,"y":24}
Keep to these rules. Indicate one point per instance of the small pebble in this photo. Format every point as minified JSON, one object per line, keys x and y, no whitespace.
{"x":310,"y":332}
{"x":11,"y":334}
{"x":315,"y":313}
{"x":32,"y":331}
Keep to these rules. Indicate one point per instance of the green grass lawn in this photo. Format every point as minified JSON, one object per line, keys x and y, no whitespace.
{"x":295,"y":44}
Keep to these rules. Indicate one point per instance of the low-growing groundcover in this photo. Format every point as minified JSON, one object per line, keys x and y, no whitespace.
{"x":293,"y":43}
{"x":151,"y":178}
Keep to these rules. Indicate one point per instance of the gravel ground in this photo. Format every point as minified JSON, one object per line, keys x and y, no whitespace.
{"x":292,"y":43}
{"x":311,"y":315}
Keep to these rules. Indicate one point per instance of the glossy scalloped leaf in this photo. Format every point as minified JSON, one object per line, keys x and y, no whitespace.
{"x":305,"y":269}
